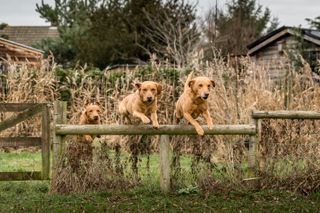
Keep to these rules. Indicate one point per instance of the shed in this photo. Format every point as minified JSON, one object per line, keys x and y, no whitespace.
{"x":269,"y":49}
{"x":19,"y":53}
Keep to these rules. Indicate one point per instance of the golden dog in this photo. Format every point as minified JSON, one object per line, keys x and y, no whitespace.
{"x":142,"y":103}
{"x":193,"y":102}
{"x":90,"y":115}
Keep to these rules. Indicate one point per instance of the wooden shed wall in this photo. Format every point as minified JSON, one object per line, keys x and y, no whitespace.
{"x":273,"y":57}
{"x":19,"y":55}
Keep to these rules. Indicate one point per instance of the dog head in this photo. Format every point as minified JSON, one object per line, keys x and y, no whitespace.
{"x":201,"y":87}
{"x":148,"y":91}
{"x":92,"y":113}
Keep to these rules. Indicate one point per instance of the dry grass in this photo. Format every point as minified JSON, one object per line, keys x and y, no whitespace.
{"x":293,"y":145}
{"x":76,"y":172}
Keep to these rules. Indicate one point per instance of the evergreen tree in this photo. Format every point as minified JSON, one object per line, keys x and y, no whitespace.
{"x":241,"y":23}
{"x":105,"y":32}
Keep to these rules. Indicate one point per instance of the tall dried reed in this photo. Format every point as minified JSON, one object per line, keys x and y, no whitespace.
{"x":287,"y":148}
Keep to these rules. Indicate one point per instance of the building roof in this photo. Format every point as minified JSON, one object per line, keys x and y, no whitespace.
{"x":28,"y":35}
{"x":19,"y":53}
{"x":5,"y":42}
{"x":308,"y":34}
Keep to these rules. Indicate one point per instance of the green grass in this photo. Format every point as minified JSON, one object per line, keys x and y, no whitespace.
{"x":33,"y":196}
{"x":20,"y":161}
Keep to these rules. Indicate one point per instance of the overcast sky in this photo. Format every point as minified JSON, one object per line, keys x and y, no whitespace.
{"x":289,"y":12}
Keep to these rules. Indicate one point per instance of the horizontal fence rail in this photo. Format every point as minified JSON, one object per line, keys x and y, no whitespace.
{"x":62,"y":129}
{"x":282,"y":114}
{"x":20,"y":141}
{"x":16,"y":107}
{"x":19,"y":176}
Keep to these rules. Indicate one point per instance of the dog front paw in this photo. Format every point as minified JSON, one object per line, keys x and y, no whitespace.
{"x":88,"y":138}
{"x":146,"y":120}
{"x":200,"y":131}
{"x":155,"y":125}
{"x":210,"y":125}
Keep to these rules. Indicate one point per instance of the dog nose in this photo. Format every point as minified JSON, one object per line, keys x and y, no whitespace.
{"x":206,"y":95}
{"x":96,"y":117}
{"x":149,"y":98}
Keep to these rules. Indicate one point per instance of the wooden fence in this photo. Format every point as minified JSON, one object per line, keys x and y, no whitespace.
{"x":60,"y":130}
{"x":28,"y":110}
{"x":253,"y":130}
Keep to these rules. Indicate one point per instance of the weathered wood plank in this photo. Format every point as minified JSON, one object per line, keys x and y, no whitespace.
{"x":165,"y":153}
{"x":18,"y":176}
{"x":60,"y":117}
{"x":20,"y":141}
{"x":15,"y":107}
{"x":266,"y":42}
{"x":45,"y":139}
{"x":62,"y":129}
{"x":13,"y":120}
{"x":252,"y":150}
{"x":283,"y":114}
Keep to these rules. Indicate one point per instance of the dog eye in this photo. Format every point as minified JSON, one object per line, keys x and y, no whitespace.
{"x":200,"y":85}
{"x":153,"y":90}
{"x":144,"y":90}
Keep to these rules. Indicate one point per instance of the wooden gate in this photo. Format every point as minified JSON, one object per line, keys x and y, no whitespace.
{"x":27,"y":110}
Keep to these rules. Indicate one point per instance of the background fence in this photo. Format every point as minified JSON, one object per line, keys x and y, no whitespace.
{"x":27,"y":111}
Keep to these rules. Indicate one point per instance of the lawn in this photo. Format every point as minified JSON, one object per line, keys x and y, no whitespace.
{"x":33,"y":196}
{"x":20,"y":161}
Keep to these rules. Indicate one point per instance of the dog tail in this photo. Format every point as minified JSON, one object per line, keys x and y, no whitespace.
{"x":186,"y":85}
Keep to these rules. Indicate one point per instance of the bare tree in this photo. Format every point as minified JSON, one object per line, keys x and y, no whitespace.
{"x":173,"y":37}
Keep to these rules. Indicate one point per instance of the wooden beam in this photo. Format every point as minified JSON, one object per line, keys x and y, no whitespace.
{"x":165,"y":153}
{"x":283,"y":114}
{"x":15,"y":107}
{"x":20,"y":47}
{"x":60,"y":117}
{"x":313,"y":40}
{"x":20,"y":141}
{"x":148,"y":130}
{"x":266,"y":42}
{"x":45,"y":142}
{"x":13,"y":120}
{"x":18,"y":176}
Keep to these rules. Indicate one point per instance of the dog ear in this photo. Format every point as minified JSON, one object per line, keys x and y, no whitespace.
{"x":159,"y":89}
{"x":137,"y":85}
{"x":191,"y":82}
{"x":86,"y":103}
{"x":213,"y":83}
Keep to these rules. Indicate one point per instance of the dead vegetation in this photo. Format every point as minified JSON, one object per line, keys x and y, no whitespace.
{"x":288,"y":150}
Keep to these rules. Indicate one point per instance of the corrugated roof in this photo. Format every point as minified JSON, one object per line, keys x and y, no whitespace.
{"x":29,"y":35}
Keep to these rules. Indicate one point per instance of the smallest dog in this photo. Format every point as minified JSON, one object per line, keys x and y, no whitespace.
{"x":141,"y":103}
{"x":90,"y":115}
{"x":80,"y":151}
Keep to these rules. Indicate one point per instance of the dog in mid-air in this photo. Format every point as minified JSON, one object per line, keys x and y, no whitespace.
{"x":142,"y":103}
{"x":194,"y":101}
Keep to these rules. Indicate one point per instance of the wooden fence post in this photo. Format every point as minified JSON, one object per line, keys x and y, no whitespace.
{"x":45,"y":142}
{"x":253,"y":147}
{"x":60,"y":117}
{"x":165,"y":153}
